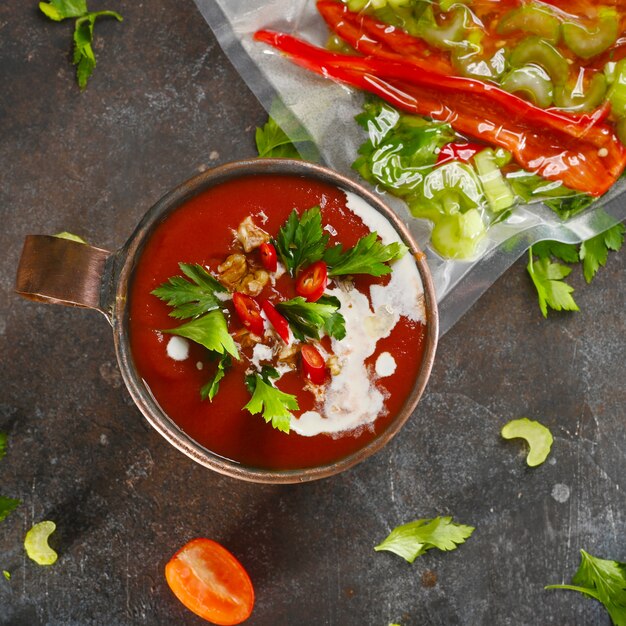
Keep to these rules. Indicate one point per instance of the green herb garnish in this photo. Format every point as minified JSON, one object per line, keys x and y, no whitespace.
{"x":210,"y":331}
{"x":301,"y":240}
{"x":595,"y":251}
{"x":548,"y":276}
{"x":311,"y":319}
{"x":601,"y":580}
{"x":209,"y":390}
{"x":6,"y":574}
{"x":84,"y":57}
{"x":190,"y":299}
{"x":413,"y":539}
{"x":7,"y":505}
{"x":552,"y":290}
{"x":367,"y":256}
{"x":3,"y":444}
{"x":275,"y":404}
{"x":538,"y":437}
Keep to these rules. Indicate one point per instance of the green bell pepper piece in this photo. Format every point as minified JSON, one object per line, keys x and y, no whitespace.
{"x":589,"y":43}
{"x":532,"y":19}
{"x":577,"y":99}
{"x":533,"y":82}
{"x":537,"y":51}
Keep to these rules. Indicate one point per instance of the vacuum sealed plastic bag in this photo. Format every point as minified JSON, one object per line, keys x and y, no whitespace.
{"x":488,"y":127}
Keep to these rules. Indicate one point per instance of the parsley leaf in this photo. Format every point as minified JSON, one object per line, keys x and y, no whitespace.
{"x":595,"y":251}
{"x":274,"y":403}
{"x":413,"y":539}
{"x":604,"y":581}
{"x":210,"y":331}
{"x":567,"y":252}
{"x":190,"y":299}
{"x":7,"y":505}
{"x":3,"y":444}
{"x":552,"y":291}
{"x":308,"y":319}
{"x":301,"y":240}
{"x":368,"y":256}
{"x":272,"y":141}
{"x":84,"y":57}
{"x":209,"y":390}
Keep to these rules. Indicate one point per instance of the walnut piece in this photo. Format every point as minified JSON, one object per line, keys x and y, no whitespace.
{"x":236,"y":274}
{"x":288,"y":354}
{"x":250,"y":235}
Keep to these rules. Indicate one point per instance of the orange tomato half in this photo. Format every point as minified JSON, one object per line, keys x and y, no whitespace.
{"x":211,"y":582}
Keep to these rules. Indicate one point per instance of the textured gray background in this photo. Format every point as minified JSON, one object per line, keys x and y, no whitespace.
{"x":163,"y":104}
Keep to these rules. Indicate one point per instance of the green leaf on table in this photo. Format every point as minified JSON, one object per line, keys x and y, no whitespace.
{"x":3,"y":444}
{"x":595,"y":251}
{"x":301,"y":239}
{"x":552,"y":290}
{"x":602,"y":580}
{"x":274,"y":404}
{"x":209,"y":330}
{"x":58,"y":10}
{"x":567,"y":252}
{"x":7,"y":506}
{"x":6,"y":574}
{"x":413,"y":539}
{"x":367,"y":256}
{"x":209,"y":390}
{"x":193,"y":297}
{"x":272,"y":141}
{"x":83,"y":57}
{"x":312,"y":319}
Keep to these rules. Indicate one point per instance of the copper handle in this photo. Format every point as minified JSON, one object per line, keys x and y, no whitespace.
{"x":60,"y":271}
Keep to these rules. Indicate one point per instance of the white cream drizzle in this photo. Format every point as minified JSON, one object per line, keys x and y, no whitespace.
{"x":352,"y":399}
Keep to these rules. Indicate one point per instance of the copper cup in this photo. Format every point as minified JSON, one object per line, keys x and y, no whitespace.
{"x":60,"y":271}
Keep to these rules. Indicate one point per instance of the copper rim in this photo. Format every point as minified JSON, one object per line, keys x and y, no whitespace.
{"x":140,"y":393}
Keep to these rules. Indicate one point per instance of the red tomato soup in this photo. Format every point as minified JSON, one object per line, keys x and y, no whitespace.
{"x":363,"y":380}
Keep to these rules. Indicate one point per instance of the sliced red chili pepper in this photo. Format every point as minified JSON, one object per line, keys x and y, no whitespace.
{"x":459,"y":152}
{"x":555,"y":145}
{"x":249,"y":312}
{"x":372,"y":37}
{"x":312,"y":281}
{"x":269,"y":259}
{"x":280,"y":323}
{"x":313,"y":364}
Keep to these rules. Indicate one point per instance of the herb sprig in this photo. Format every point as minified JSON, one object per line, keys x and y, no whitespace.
{"x":602,"y":580}
{"x":415,"y":538}
{"x":274,"y":404}
{"x":547,"y":274}
{"x":308,"y":319}
{"x":84,"y":57}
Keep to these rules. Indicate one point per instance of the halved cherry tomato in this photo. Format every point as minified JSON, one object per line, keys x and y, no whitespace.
{"x":312,"y":281}
{"x":280,"y":324}
{"x":211,"y":582}
{"x":249,"y":312}
{"x":268,"y":256}
{"x":313,"y":364}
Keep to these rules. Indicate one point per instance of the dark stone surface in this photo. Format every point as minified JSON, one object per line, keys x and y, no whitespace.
{"x":163,"y":104}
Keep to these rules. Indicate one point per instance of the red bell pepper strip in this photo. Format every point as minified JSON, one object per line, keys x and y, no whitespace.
{"x":372,"y":37}
{"x":280,"y":323}
{"x":459,"y":152}
{"x":557,"y":146}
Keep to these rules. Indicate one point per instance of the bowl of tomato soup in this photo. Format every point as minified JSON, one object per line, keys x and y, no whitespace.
{"x":272,"y":319}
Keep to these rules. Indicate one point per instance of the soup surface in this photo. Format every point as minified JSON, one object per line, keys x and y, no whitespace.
{"x":367,"y":375}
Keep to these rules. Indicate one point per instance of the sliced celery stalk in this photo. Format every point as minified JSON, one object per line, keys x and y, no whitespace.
{"x":589,"y":43}
{"x":497,"y":191}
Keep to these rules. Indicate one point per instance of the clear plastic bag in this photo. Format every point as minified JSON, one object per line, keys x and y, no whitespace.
{"x":326,"y":110}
